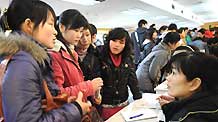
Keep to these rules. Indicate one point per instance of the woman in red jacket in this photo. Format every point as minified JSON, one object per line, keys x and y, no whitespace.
{"x":67,"y":72}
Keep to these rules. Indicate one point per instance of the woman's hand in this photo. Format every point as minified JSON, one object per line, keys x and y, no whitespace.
{"x":164,"y":99}
{"x":97,"y":83}
{"x":86,"y":106}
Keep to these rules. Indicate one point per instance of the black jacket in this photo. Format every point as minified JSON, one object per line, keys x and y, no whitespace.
{"x":201,"y":107}
{"x":90,"y":64}
{"x":116,"y":80}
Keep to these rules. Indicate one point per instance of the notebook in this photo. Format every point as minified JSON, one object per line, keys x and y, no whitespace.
{"x":130,"y":116}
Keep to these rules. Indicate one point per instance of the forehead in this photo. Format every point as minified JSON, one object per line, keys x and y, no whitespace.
{"x":86,"y":30}
{"x":122,"y":40}
{"x":50,"y":16}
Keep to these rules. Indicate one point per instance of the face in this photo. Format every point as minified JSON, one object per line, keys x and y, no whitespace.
{"x":117,"y":46}
{"x":178,"y":85}
{"x":199,"y":34}
{"x":45,"y":33}
{"x":72,"y":36}
{"x":86,"y":39}
{"x":154,"y":36}
{"x":182,"y":35}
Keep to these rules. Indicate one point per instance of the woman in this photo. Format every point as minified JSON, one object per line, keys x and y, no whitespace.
{"x":67,"y":72}
{"x":149,"y":43}
{"x":22,"y":90}
{"x":89,"y":62}
{"x":118,"y":72}
{"x":195,"y":87}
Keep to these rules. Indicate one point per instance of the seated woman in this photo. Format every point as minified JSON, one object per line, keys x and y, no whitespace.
{"x":193,"y":87}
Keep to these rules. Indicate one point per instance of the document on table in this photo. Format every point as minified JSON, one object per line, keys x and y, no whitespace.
{"x":130,"y":116}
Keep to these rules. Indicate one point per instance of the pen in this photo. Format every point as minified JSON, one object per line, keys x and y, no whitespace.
{"x":132,"y":117}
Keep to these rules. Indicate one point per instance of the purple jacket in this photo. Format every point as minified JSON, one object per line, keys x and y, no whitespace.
{"x":22,"y":85}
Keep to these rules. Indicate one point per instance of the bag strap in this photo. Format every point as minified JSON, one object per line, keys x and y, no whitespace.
{"x":49,"y":99}
{"x":3,"y":67}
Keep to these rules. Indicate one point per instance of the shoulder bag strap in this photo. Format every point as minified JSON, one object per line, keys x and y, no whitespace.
{"x":50,"y":104}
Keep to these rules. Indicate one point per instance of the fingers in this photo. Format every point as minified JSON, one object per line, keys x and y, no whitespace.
{"x":89,"y":105}
{"x":71,"y":99}
{"x":80,"y":96}
{"x":169,"y":98}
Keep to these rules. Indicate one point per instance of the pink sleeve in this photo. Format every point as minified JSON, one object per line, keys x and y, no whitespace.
{"x":85,"y":86}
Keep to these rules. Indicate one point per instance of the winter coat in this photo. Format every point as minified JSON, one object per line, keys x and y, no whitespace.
{"x":90,"y":64}
{"x":67,"y":72}
{"x":138,"y":44}
{"x":116,"y":80}
{"x":202,"y":46}
{"x":147,"y":49}
{"x":149,"y":70}
{"x":22,"y":90}
{"x":201,"y":107}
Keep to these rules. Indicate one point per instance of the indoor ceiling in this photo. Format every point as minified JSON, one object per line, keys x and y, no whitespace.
{"x":127,"y":13}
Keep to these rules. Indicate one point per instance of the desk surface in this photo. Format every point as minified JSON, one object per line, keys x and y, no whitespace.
{"x":148,"y":101}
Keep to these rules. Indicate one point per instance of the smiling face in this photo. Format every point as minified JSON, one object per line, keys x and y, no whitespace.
{"x":45,"y":33}
{"x":117,"y":46}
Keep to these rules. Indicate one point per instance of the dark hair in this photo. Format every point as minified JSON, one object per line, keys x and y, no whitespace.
{"x":142,"y":22}
{"x":152,"y":26}
{"x":149,"y":33}
{"x":172,"y":26}
{"x":89,"y":28}
{"x":71,"y":19}
{"x":192,"y":65}
{"x":171,"y":37}
{"x":202,"y":30}
{"x":164,"y":27}
{"x":118,"y":33}
{"x":194,"y":29}
{"x":94,"y":29}
{"x":19,"y":10}
{"x":180,"y":30}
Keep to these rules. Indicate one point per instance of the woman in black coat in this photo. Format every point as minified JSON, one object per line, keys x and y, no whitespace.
{"x":193,"y":84}
{"x":117,"y":72}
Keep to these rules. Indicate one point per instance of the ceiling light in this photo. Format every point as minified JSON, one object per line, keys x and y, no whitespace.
{"x":83,"y":2}
{"x":134,"y":11}
{"x":160,"y":17}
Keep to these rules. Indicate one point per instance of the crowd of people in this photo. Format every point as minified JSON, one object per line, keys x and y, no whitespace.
{"x":63,"y":51}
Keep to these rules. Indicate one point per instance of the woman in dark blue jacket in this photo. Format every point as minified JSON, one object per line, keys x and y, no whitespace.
{"x":32,"y":23}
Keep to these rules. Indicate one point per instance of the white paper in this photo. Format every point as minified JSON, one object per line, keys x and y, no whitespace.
{"x":147,"y":114}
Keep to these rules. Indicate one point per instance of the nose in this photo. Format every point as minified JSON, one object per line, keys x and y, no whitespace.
{"x":55,"y":32}
{"x":168,"y":77}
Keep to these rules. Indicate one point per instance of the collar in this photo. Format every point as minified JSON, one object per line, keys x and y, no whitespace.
{"x":116,"y":60}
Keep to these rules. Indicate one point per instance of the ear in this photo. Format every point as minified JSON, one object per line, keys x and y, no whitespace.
{"x":62,"y":27}
{"x":27,"y":26}
{"x":93,"y":37}
{"x":195,"y":84}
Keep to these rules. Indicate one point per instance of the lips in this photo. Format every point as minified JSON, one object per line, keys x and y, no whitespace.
{"x":115,"y":49}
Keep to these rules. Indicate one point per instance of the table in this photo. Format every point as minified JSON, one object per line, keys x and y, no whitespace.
{"x":148,"y":101}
